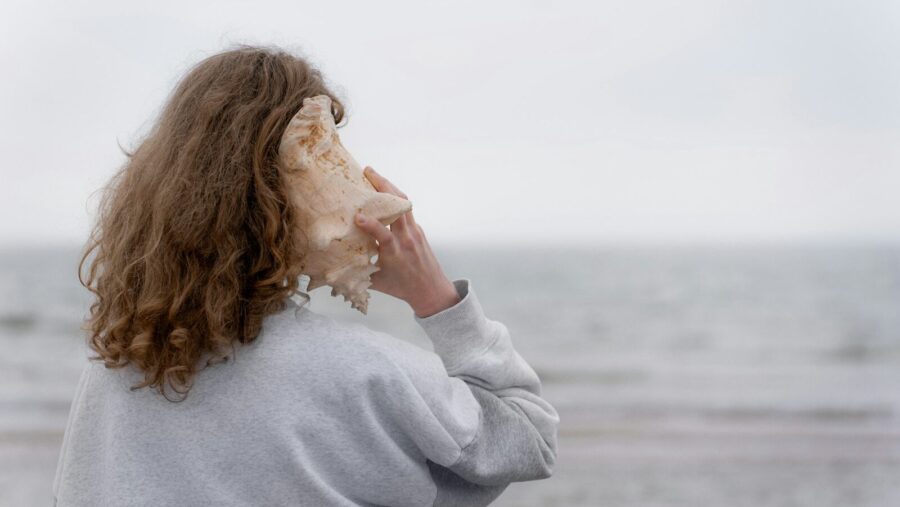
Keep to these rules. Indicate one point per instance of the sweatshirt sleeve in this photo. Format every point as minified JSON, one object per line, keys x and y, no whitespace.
{"x":473,"y":407}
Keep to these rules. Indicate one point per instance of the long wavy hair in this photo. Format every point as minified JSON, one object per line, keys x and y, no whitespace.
{"x":194,"y":241}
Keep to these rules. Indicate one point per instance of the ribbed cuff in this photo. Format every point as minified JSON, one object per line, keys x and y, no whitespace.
{"x":461,"y":331}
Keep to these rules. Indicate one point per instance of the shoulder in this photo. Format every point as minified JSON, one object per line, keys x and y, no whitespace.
{"x":354,"y":348}
{"x":391,"y":354}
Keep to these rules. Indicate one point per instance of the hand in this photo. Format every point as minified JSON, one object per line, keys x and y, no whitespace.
{"x":409,"y":269}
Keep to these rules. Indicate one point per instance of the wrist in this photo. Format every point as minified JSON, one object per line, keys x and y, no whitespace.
{"x":438,"y":300}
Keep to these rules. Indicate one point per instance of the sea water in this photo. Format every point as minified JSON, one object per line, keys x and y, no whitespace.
{"x":684,"y":376}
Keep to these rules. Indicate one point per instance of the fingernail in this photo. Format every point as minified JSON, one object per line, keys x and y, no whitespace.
{"x":360,"y":219}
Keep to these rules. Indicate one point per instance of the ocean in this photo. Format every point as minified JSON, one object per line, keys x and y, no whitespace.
{"x":764,"y":375}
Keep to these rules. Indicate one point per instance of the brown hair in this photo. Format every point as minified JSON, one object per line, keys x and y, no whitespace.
{"x":194,"y":243}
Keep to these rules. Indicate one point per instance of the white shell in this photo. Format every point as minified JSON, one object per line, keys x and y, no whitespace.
{"x":327,"y":187}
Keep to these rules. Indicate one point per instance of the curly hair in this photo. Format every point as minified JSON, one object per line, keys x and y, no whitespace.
{"x":194,"y":242}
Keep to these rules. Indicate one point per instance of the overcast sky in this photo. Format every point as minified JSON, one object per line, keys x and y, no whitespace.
{"x":502,"y":121}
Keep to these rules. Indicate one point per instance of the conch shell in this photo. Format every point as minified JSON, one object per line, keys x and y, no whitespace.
{"x":327,"y":187}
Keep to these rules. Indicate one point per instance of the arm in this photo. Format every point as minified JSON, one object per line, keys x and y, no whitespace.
{"x":516,"y":437}
{"x":474,"y":406}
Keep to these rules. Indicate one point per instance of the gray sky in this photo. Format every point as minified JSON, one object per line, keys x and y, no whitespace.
{"x":503,"y":121}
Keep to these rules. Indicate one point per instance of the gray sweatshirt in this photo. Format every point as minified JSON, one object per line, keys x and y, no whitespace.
{"x":322,"y":413}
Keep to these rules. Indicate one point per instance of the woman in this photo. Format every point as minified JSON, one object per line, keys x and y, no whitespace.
{"x":193,"y":269}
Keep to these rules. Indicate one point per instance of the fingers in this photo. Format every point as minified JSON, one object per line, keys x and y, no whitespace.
{"x":407,"y":221}
{"x":382,"y":184}
{"x":411,"y":220}
{"x":374,"y":228}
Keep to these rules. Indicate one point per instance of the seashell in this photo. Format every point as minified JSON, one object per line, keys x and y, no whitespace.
{"x":326,"y":188}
